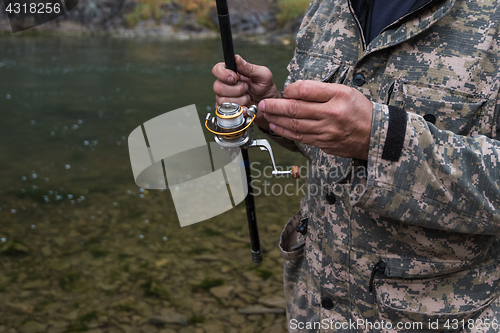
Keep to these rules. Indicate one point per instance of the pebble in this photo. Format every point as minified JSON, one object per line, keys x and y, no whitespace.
{"x":237,"y":319}
{"x":162,"y":262}
{"x":221,"y":291}
{"x":20,"y":307}
{"x":260,"y":310}
{"x":206,"y":257}
{"x":274,"y":302}
{"x":34,"y":327}
{"x":170,"y":318}
{"x":167,"y":330}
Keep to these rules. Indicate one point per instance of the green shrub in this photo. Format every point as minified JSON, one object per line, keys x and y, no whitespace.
{"x":290,"y":10}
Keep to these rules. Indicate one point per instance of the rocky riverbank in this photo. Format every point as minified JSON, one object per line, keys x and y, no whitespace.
{"x":170,"y":19}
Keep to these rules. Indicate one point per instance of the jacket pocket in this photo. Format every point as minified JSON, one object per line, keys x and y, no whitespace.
{"x":292,"y":245}
{"x":446,"y":108}
{"x":291,"y":241}
{"x":313,"y":66}
{"x":443,"y":302}
{"x":292,"y":249}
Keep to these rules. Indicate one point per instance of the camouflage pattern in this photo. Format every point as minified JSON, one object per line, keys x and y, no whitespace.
{"x":431,"y":216}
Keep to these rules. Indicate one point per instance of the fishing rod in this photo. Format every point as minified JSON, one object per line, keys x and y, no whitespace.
{"x":228,"y":50}
{"x":231,"y":128}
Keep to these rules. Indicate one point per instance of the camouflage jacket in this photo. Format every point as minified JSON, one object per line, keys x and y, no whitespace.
{"x":409,"y":240}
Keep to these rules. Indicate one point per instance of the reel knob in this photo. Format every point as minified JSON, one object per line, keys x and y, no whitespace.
{"x":295,"y":172}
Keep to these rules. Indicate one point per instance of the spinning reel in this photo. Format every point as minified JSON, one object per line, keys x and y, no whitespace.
{"x":231,"y":128}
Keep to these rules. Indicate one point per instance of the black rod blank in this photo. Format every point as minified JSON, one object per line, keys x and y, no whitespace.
{"x":228,"y":49}
{"x":226,"y":35}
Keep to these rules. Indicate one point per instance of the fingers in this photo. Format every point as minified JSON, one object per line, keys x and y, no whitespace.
{"x":246,"y":69}
{"x":224,"y":75}
{"x":304,"y":126}
{"x":314,"y":91}
{"x":306,"y":138}
{"x":258,"y":74}
{"x":291,"y":108}
{"x":243,"y":100}
{"x":237,"y":90}
{"x":227,"y":88}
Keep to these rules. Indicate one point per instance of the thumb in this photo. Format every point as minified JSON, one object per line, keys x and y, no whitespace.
{"x":250,"y":70}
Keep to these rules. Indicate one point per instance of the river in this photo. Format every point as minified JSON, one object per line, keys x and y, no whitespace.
{"x":81,"y":246}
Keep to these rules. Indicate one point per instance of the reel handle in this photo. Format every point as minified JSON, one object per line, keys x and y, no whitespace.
{"x":295,"y":172}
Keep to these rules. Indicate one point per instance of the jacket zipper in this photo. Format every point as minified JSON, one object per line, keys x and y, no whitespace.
{"x":389,"y":92}
{"x":363,"y":40}
{"x":342,"y":79}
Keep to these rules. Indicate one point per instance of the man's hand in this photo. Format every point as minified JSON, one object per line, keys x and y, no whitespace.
{"x":251,"y":85}
{"x":332,"y":117}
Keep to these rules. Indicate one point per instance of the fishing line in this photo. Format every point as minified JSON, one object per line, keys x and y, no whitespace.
{"x":287,"y":28}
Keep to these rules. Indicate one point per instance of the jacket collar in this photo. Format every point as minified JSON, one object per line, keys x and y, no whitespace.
{"x":421,"y":16}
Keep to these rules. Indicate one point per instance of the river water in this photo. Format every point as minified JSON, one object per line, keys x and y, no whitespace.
{"x":75,"y":230}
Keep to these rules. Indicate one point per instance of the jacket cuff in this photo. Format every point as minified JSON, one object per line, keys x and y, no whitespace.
{"x":386,"y":144}
{"x":396,"y":131}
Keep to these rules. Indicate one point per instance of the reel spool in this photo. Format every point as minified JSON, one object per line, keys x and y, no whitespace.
{"x":231,"y":128}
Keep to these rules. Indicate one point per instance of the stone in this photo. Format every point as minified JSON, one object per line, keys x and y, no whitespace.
{"x":20,"y":307}
{"x":273,"y":302}
{"x":276,"y":253}
{"x":207,"y":257}
{"x":62,"y":330}
{"x":186,"y":330}
{"x":252,"y":277}
{"x":169,"y":318}
{"x":274,"y":329}
{"x":260,"y":310}
{"x":226,"y":269}
{"x":73,"y":315}
{"x":14,"y":248}
{"x":34,"y":327}
{"x":249,"y":299}
{"x":250,"y":328}
{"x":221,"y":291}
{"x":37,"y":284}
{"x":274,"y":228}
{"x":167,"y":330}
{"x":146,"y":329}
{"x":127,"y":329}
{"x":46,"y":251}
{"x":237,"y":303}
{"x":214,"y":327}
{"x":162,"y":262}
{"x":237,"y":319}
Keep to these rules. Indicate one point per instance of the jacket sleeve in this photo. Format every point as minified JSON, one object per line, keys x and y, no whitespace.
{"x":431,"y":178}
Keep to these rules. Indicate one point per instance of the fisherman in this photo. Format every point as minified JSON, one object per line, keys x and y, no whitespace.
{"x":402,"y":98}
